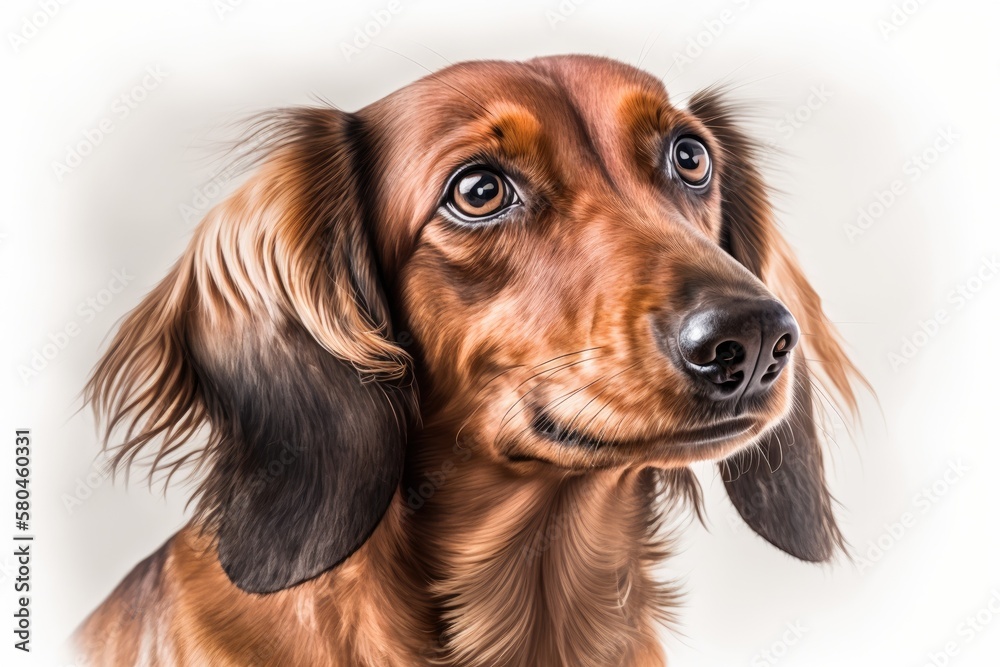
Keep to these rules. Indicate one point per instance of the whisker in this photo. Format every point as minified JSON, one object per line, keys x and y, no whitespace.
{"x":564,"y":397}
{"x":562,"y":367}
{"x":580,"y":412}
{"x":479,"y":405}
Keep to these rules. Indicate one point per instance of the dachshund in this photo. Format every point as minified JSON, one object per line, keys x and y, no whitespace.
{"x":440,"y":368}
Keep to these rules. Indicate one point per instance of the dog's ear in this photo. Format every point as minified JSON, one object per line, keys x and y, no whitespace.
{"x":778,"y":484}
{"x":274,"y":332}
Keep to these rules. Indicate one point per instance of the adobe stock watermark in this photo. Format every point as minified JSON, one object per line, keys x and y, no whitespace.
{"x":33,"y":23}
{"x":206,"y":194}
{"x":965,"y":632}
{"x":223,"y":8}
{"x":922,"y":503}
{"x":364,"y":34}
{"x":786,"y":126}
{"x":796,"y":118}
{"x":913,"y":169}
{"x":712,"y":30}
{"x":130,"y":613}
{"x":957,"y":299}
{"x":277,"y":465}
{"x":899,"y":15}
{"x":417,"y":496}
{"x":120,"y":109}
{"x":772,"y":655}
{"x":84,"y":488}
{"x":87,"y":311}
{"x":543,"y":539}
{"x":561,"y":13}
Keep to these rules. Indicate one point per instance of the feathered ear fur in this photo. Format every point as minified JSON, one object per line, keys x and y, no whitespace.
{"x":273,"y":332}
{"x":778,"y":486}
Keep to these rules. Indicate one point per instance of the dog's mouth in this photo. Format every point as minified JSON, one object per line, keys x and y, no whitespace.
{"x":549,"y":428}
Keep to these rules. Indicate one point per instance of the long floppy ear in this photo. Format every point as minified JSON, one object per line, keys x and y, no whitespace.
{"x":273,"y":332}
{"x":778,"y":485}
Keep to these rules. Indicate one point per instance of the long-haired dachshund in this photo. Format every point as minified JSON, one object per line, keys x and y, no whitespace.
{"x":450,"y":356}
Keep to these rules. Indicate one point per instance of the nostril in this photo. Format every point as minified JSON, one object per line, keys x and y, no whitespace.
{"x":779,"y":353}
{"x":783,"y":346}
{"x":723,"y":365}
{"x":729,"y":353}
{"x":771,"y":374}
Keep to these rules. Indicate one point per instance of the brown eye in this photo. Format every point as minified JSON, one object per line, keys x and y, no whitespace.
{"x":480,"y":194}
{"x":691,"y":161}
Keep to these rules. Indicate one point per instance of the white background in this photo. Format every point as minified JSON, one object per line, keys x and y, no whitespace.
{"x":886,"y":96}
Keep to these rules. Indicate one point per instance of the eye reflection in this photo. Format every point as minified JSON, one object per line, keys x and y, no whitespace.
{"x":691,"y":161}
{"x":480,"y":193}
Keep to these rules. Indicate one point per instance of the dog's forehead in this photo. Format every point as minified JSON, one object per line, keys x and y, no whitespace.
{"x":554,"y":91}
{"x":594,"y":84}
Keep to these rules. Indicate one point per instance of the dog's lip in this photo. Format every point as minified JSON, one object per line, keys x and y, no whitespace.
{"x":548,"y":427}
{"x":713,"y":433}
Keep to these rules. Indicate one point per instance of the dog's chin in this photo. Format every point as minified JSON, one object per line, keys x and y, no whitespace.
{"x":679,"y":447}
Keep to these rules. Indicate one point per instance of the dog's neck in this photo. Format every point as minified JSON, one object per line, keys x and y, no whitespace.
{"x":543,"y":568}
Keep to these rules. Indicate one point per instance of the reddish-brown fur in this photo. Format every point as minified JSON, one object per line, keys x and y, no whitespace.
{"x":498,"y":547}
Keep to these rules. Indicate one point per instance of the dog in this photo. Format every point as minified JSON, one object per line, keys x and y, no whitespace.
{"x":446,"y":362}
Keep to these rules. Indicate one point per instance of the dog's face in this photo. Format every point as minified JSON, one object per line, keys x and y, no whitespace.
{"x":556,"y":235}
{"x":589,"y":275}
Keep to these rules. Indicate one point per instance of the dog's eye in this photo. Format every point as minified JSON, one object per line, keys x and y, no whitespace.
{"x":691,"y":161}
{"x":479,"y":194}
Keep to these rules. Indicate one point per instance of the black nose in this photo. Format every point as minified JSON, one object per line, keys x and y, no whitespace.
{"x":739,"y":347}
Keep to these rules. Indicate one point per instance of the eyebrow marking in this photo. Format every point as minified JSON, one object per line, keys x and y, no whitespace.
{"x":517,"y":129}
{"x":642,"y":112}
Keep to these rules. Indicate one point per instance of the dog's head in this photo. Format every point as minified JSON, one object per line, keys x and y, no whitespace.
{"x":572,"y":270}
